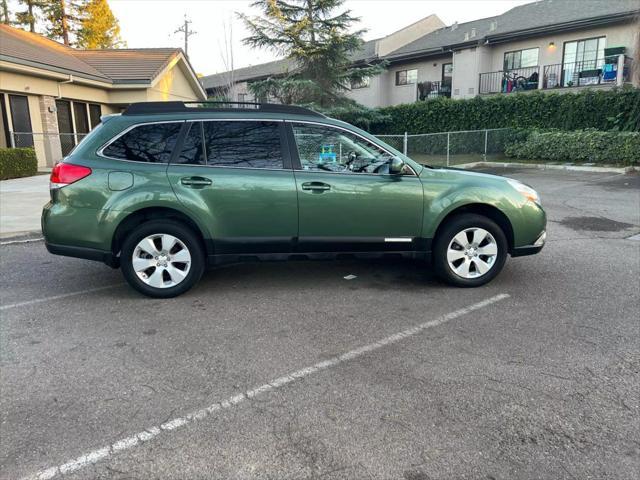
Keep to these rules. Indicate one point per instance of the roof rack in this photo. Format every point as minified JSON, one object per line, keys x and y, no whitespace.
{"x":147,"y":108}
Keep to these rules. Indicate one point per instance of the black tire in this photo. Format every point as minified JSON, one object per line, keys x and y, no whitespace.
{"x":158,"y":227}
{"x":445,"y":236}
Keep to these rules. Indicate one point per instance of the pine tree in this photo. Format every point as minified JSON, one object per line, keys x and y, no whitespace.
{"x":26,"y":17}
{"x":61,"y":19}
{"x":99,"y":28}
{"x":320,"y":43}
{"x":5,"y":12}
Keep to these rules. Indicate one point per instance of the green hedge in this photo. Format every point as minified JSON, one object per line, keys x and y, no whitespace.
{"x":17,"y":162}
{"x":616,"y":109}
{"x":591,"y":146}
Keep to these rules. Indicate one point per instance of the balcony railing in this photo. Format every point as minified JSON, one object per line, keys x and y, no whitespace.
{"x":613,"y":70}
{"x":589,"y":72}
{"x":509,"y":81}
{"x":428,"y":90}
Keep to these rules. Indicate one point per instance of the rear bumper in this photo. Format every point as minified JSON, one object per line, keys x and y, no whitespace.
{"x":83,"y":252}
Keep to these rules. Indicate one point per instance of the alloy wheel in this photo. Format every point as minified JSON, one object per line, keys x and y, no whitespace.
{"x":161,"y":260}
{"x":472,"y":253}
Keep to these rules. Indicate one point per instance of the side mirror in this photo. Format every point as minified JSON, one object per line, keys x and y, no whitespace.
{"x":395,"y":166}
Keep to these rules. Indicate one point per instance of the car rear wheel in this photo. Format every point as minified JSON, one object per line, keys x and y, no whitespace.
{"x":162,"y":259}
{"x":469,"y":251}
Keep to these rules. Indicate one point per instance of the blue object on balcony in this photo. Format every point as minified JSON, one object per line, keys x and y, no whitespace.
{"x":610,"y":71}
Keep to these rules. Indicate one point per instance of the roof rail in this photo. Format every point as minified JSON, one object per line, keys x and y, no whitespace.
{"x":147,"y":108}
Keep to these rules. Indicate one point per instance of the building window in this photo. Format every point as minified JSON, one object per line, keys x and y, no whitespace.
{"x":243,"y":97}
{"x":406,"y":77}
{"x":360,"y":83}
{"x":589,"y":51}
{"x":95,"y":112}
{"x":521,"y":58}
{"x":82,"y":118}
{"x":21,"y":120}
{"x":582,"y":60}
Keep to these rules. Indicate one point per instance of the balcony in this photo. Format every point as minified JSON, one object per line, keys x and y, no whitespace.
{"x":428,"y":90}
{"x":614,"y":70}
{"x":509,"y":81}
{"x":603,"y":71}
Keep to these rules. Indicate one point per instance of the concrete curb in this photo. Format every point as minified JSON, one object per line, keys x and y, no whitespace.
{"x":21,"y":237}
{"x":546,"y":166}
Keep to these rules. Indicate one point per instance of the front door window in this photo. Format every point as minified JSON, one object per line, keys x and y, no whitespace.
{"x":338,"y":151}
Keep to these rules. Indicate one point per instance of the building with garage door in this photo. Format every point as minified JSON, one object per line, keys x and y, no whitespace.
{"x":52,"y":95}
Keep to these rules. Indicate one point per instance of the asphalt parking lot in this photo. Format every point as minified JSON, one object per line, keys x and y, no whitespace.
{"x":288,"y":370}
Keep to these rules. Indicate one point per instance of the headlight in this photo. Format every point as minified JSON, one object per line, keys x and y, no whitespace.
{"x":526,"y":191}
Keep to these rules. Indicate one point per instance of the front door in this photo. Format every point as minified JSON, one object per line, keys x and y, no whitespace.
{"x":347,"y":199}
{"x":236,"y":176}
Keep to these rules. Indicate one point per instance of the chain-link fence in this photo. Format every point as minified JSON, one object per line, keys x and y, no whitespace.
{"x":50,"y":147}
{"x":453,"y":148}
{"x":444,"y":148}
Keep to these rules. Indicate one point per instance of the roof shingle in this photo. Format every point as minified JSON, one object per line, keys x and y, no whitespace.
{"x":541,"y":13}
{"x":110,"y":65}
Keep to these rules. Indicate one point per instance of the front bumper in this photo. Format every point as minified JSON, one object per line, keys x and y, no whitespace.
{"x":530,"y":249}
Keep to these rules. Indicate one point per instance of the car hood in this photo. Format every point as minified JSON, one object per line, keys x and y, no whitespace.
{"x":462,"y":173}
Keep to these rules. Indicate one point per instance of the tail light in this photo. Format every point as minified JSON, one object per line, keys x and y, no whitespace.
{"x":64,"y":174}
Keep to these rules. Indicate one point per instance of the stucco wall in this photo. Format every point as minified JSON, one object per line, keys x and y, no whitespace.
{"x":616,"y":35}
{"x":465,"y":72}
{"x":29,"y":84}
{"x":469,"y":63}
{"x":383,"y":90}
{"x":172,"y":85}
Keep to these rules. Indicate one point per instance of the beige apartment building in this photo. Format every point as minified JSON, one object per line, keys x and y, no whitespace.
{"x":547,"y":45}
{"x":52,"y":95}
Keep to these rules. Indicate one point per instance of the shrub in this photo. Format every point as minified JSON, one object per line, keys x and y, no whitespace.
{"x":17,"y":162}
{"x":616,"y":109}
{"x":591,"y":146}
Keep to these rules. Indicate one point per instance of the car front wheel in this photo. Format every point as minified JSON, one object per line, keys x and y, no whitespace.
{"x":469,"y":251}
{"x":162,"y":259}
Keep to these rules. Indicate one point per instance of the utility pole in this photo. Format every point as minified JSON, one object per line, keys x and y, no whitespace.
{"x":185,"y":29}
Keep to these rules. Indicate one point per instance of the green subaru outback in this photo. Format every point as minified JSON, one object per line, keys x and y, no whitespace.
{"x":166,"y":188}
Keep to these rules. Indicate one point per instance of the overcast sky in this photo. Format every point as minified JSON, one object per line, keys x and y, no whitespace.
{"x":151,"y":23}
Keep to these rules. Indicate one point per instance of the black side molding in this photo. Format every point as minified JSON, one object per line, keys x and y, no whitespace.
{"x":83,"y":252}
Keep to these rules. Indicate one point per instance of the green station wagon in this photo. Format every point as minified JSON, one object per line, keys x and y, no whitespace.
{"x":166,"y":188}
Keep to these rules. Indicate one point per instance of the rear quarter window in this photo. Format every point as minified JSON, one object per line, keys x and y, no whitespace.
{"x":152,"y":143}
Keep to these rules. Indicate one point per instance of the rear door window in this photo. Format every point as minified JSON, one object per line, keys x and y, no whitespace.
{"x":146,"y":143}
{"x":245,"y":144}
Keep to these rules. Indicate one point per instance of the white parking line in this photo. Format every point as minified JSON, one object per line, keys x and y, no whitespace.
{"x":139,"y":438}
{"x":56,"y":297}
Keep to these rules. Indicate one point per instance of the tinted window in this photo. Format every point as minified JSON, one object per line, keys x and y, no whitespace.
{"x":80,"y":114}
{"x":243,"y":144}
{"x":95,"y":111}
{"x":21,"y":120}
{"x":146,"y":143}
{"x":329,"y":149}
{"x":192,"y":151}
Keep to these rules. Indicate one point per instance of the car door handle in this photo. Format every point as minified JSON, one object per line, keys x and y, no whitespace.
{"x":316,"y":186}
{"x":195,"y":182}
